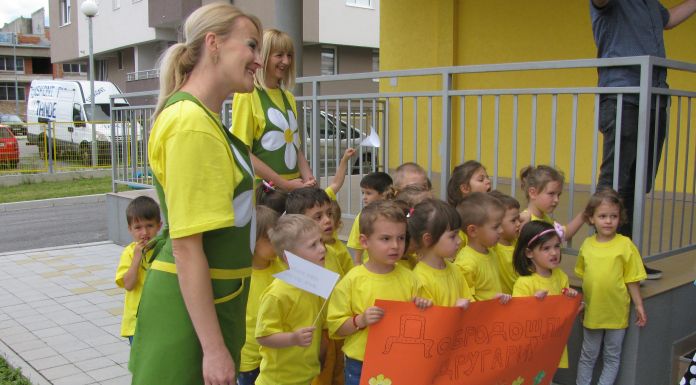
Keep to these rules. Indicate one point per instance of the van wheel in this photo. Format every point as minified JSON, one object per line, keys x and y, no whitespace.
{"x":85,"y":154}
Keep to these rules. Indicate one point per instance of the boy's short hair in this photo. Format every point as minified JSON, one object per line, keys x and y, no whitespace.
{"x":412,"y":168}
{"x":508,"y":201}
{"x":266,"y":218}
{"x":386,"y":209}
{"x":413,"y":194}
{"x":476,"y":209}
{"x":288,"y":231}
{"x":142,"y":208}
{"x":303,"y":199}
{"x":378,"y":181}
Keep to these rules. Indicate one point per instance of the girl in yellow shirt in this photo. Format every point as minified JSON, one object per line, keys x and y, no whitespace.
{"x":433,"y":227}
{"x":470,"y":176}
{"x":536,"y":257}
{"x":611,"y":269}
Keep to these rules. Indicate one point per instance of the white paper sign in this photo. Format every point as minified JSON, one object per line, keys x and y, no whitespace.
{"x":372,"y":140}
{"x":307,"y":276}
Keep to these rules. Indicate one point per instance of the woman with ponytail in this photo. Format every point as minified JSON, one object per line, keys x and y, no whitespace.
{"x":266,"y":119}
{"x":191,"y":320}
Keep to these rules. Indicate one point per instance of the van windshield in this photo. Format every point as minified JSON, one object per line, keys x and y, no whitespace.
{"x":101,"y":112}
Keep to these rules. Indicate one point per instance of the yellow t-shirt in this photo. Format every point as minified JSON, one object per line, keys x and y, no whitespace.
{"x":480,"y":271}
{"x":408,"y":261}
{"x":260,"y":280}
{"x":248,"y":117}
{"x":354,"y":236}
{"x":190,"y":157}
{"x":506,"y":268}
{"x":528,"y":285}
{"x":338,"y":258}
{"x":464,"y":238}
{"x":443,"y":286}
{"x":285,"y":308}
{"x":357,"y":291}
{"x":605,"y":269}
{"x":544,"y":218}
{"x":131,"y":299}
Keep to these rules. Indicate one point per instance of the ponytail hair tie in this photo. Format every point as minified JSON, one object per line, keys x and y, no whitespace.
{"x":557,"y":228}
{"x":267,"y":186}
{"x":410,"y":212}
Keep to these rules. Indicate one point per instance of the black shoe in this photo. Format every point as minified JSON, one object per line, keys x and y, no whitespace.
{"x":653,"y":273}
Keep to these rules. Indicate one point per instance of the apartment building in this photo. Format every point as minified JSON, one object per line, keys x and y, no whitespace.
{"x":340,"y":36}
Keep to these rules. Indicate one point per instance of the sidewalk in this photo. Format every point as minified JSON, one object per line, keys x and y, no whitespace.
{"x":60,"y":315}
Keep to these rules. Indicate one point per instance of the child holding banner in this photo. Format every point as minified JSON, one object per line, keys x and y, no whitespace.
{"x":351,"y":308}
{"x":508,"y":239}
{"x":481,"y":216}
{"x":290,"y":342}
{"x":433,"y":227}
{"x":264,"y":264}
{"x":611,"y":270}
{"x":536,"y":258}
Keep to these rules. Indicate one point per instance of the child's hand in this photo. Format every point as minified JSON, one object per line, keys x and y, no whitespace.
{"x":139,"y":247}
{"x":641,"y":317}
{"x":503,"y":298}
{"x":303,"y":336}
{"x":422,"y":303}
{"x":569,"y":292}
{"x":349,"y":152}
{"x":372,"y":315}
{"x":541,"y":294}
{"x":462,"y":303}
{"x":310,"y":182}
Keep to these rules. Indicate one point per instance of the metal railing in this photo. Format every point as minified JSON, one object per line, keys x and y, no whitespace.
{"x":142,"y":75}
{"x":440,"y":117}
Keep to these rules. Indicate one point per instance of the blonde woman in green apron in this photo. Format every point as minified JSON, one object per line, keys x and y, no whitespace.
{"x":266,"y":119}
{"x":190,"y":326}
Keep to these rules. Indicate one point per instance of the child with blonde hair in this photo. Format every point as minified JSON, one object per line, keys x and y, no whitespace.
{"x":543,"y":186}
{"x":352,"y":305}
{"x":433,"y":227}
{"x":611,"y":270}
{"x":537,"y":258}
{"x":290,"y":321}
{"x":410,"y":173}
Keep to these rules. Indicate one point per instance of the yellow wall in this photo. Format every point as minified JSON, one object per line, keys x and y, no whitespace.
{"x":418,"y":34}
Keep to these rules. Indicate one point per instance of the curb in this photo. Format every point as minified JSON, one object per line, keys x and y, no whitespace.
{"x":14,"y":360}
{"x":73,"y":246}
{"x":52,"y":202}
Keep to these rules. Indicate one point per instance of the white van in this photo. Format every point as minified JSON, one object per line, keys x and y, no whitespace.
{"x":67,"y":104}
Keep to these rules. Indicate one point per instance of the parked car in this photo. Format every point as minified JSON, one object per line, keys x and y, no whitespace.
{"x":15,"y":123}
{"x":334,"y":138}
{"x":9,"y":147}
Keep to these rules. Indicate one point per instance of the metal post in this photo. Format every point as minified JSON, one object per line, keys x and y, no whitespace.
{"x":49,"y":146}
{"x":446,"y":139}
{"x":646,"y":69}
{"x":15,"y":41}
{"x":91,"y":93}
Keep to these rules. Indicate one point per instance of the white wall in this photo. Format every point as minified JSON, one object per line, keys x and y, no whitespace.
{"x":116,"y":28}
{"x":346,"y":25}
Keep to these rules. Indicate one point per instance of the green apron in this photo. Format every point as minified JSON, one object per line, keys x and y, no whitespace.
{"x":166,"y":349}
{"x":275,"y":159}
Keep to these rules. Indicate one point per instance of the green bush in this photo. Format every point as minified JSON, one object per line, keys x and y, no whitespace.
{"x":11,"y":376}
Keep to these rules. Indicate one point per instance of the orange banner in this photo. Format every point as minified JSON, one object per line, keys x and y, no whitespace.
{"x":519,"y":343}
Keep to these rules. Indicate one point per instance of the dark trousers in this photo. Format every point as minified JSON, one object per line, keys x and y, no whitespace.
{"x":628,"y":150}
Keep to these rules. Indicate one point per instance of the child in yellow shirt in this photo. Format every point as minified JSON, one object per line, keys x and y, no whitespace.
{"x":481,"y":216}
{"x":264,"y":264}
{"x":286,"y":330}
{"x":537,"y":257}
{"x":470,"y":176}
{"x":611,"y":270}
{"x":351,"y":307}
{"x":373,"y":186}
{"x":143,"y":217}
{"x":433,"y":227}
{"x":508,"y":238}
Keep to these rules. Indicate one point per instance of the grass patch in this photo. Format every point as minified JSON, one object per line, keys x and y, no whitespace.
{"x":58,"y":189}
{"x":10,"y":375}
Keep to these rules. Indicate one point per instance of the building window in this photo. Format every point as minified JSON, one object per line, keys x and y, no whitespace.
{"x":75,"y":68}
{"x":328,"y":61}
{"x":116,"y":4}
{"x":375,"y":60}
{"x":8,"y":64}
{"x":7,"y":91}
{"x":119,"y":56}
{"x":360,"y":3}
{"x":64,"y":6}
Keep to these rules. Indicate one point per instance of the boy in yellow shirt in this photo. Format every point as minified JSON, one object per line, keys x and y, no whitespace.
{"x":264,"y":264}
{"x":508,"y":239}
{"x":481,"y":216}
{"x":373,"y":186}
{"x":143,"y":217}
{"x":290,"y":341}
{"x":351,"y":307}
